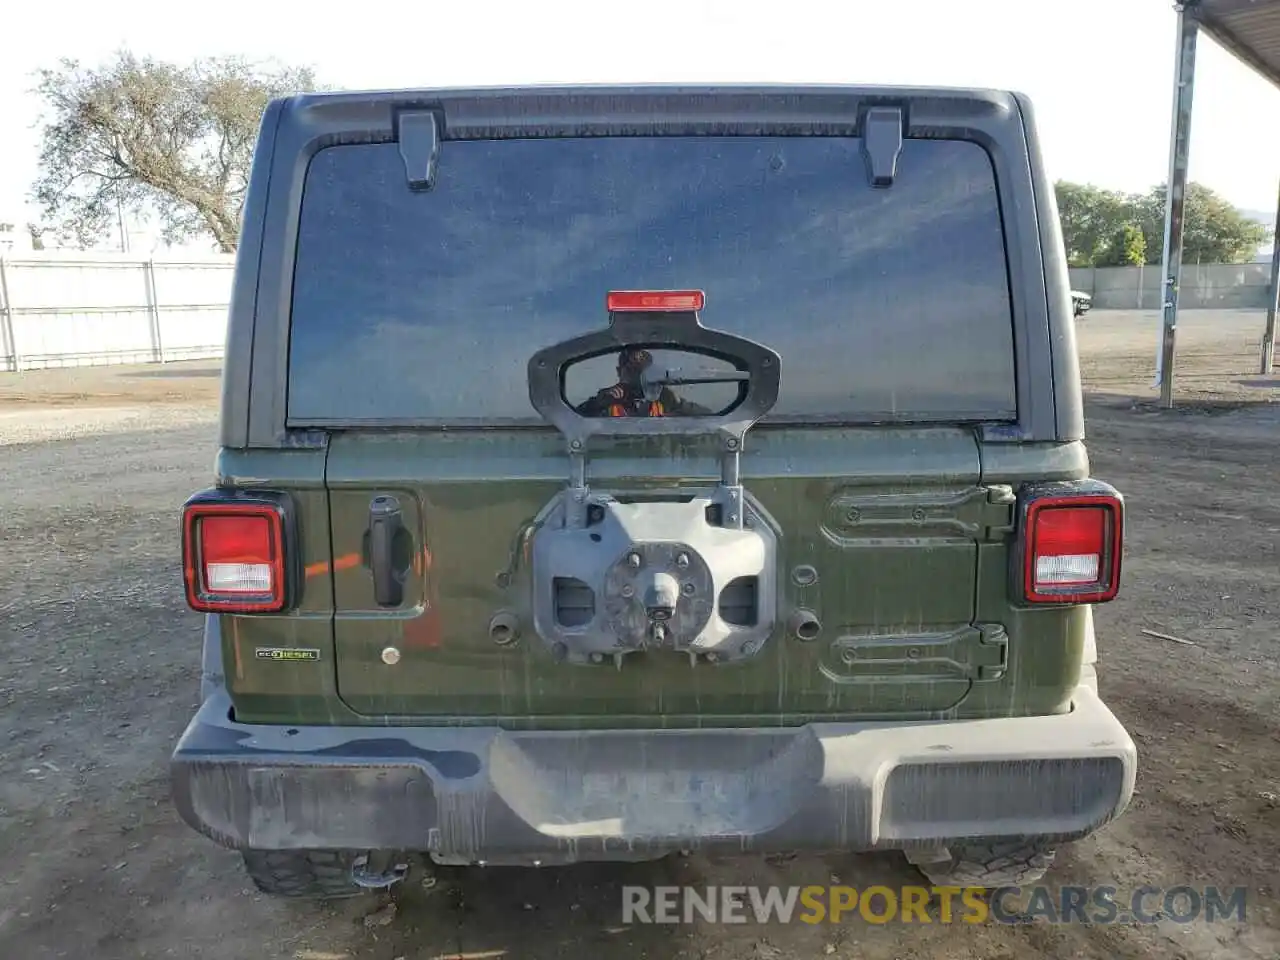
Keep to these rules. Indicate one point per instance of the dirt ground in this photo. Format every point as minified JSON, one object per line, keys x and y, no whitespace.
{"x":99,"y":663}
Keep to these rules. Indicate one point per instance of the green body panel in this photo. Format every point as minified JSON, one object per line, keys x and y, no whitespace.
{"x":277,"y":690}
{"x":911,"y":590}
{"x":1050,"y":642}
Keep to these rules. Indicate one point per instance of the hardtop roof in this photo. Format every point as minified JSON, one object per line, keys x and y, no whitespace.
{"x":586,"y":110}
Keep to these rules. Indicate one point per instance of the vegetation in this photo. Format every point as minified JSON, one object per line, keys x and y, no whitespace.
{"x":153,"y":139}
{"x":156,"y":140}
{"x":1104,"y":228}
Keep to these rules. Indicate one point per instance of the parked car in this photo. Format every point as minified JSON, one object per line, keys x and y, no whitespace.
{"x":571,"y":506}
{"x":1080,"y":303}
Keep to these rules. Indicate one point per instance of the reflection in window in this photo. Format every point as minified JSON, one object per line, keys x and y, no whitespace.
{"x":427,"y":305}
{"x":636,"y":382}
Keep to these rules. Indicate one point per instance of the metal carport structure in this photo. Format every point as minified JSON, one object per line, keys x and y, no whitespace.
{"x":1250,"y":29}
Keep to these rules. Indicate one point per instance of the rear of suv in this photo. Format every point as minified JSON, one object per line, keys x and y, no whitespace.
{"x":605,"y":472}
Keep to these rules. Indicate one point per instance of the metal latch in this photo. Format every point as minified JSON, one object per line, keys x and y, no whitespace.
{"x":419,"y":136}
{"x":882,"y":133}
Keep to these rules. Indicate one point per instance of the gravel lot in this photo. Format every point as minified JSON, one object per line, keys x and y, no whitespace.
{"x":98,"y":676}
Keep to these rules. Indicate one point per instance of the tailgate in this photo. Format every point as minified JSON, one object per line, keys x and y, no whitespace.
{"x":887,"y":567}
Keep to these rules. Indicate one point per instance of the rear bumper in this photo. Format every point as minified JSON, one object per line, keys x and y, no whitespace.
{"x":500,"y":796}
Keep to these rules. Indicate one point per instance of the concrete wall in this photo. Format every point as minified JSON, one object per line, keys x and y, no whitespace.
{"x":64,"y":309}
{"x":1222,"y":286}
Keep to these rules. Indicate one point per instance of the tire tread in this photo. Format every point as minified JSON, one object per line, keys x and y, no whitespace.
{"x":302,"y":874}
{"x":988,"y":865}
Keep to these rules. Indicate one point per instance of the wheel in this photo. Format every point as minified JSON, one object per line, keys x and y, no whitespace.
{"x":310,"y":874}
{"x":1005,"y":863}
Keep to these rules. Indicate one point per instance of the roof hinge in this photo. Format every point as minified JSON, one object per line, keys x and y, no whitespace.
{"x":882,"y":133}
{"x":419,"y":136}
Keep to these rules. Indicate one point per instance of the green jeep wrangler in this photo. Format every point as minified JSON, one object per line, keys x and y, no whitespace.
{"x":607,"y":472}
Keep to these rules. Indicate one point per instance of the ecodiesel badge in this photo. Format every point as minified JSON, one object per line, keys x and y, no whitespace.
{"x":286,"y":653}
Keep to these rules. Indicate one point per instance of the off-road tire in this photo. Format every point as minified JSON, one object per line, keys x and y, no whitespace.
{"x":1005,"y":863}
{"x":302,"y":874}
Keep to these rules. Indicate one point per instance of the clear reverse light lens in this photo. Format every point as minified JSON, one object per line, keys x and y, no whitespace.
{"x":238,"y":577}
{"x":1070,"y":568}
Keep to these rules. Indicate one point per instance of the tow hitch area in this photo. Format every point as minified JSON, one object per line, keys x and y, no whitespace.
{"x":378,"y":870}
{"x":686,"y":570}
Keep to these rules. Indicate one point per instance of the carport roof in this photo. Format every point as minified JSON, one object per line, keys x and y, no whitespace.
{"x":1248,"y":28}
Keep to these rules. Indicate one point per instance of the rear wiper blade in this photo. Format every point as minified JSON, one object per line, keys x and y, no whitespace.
{"x":723,"y":378}
{"x":673,"y":379}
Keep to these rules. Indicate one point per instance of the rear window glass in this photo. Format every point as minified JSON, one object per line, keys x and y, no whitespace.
{"x":883,"y":303}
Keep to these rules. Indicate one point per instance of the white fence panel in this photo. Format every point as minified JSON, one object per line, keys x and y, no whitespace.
{"x":60,"y":309}
{"x":191,"y":301}
{"x":66,"y":314}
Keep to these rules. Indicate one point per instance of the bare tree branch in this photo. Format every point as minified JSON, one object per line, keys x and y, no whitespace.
{"x":173,"y":141}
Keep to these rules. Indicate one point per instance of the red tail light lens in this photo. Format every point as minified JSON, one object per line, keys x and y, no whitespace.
{"x":1072,"y":550}
{"x":233,"y":557}
{"x":623,"y":301}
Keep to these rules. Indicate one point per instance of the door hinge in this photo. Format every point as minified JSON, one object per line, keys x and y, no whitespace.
{"x":989,"y":657}
{"x":975,"y":652}
{"x":998,"y":515}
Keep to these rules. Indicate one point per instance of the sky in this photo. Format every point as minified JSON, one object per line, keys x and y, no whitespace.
{"x":1099,"y":72}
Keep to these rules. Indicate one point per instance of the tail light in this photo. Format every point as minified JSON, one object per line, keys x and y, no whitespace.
{"x":1072,"y":538}
{"x":234,"y":553}
{"x":631,"y":301}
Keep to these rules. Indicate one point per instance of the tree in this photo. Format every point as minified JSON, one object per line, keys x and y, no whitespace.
{"x":1091,"y":218}
{"x":1105,"y":229}
{"x":154,"y":138}
{"x":1213,"y":231}
{"x":1128,"y":248}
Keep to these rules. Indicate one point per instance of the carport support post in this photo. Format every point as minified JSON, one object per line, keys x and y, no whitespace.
{"x":1175,"y":195}
{"x":1273,"y":302}
{"x":7,"y":341}
{"x":153,"y":309}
